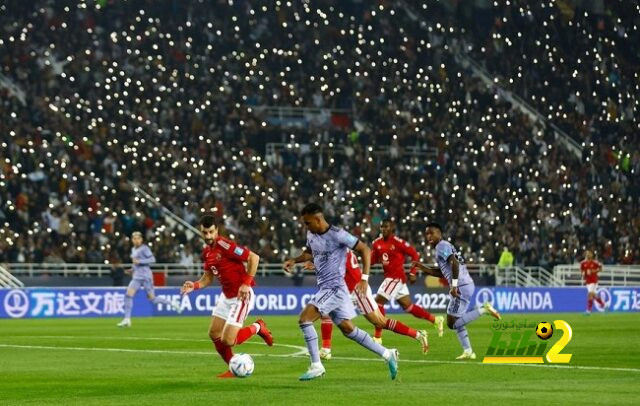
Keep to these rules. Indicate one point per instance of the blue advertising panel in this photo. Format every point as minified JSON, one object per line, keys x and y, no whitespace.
{"x":99,"y":302}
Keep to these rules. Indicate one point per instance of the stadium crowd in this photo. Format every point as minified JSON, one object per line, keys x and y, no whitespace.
{"x":164,"y":96}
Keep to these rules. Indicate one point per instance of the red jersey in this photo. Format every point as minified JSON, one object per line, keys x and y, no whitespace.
{"x":391,"y":253}
{"x":353,"y":274}
{"x":588,"y":268}
{"x":225,"y":259}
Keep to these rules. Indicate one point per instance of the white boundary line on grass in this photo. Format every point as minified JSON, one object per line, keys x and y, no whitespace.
{"x":301,"y":353}
{"x":53,"y":347}
{"x":301,"y":350}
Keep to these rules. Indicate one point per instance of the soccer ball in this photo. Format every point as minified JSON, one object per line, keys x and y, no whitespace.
{"x":241,"y":365}
{"x":544,"y":330}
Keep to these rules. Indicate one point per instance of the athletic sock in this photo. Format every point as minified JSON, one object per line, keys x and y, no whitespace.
{"x":157,"y":300}
{"x":326,"y":328}
{"x":463,"y":337}
{"x":589,"y":304}
{"x":468,"y":317}
{"x":246,"y":333}
{"x":420,"y":313}
{"x":367,"y":342}
{"x":224,"y":350}
{"x":400,"y":328}
{"x":128,"y":305}
{"x":311,"y":338}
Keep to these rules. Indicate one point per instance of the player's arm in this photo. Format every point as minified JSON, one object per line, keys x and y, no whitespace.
{"x":408,"y":250}
{"x":205,"y":280}
{"x":365,"y":253}
{"x":428,"y":269}
{"x":455,"y":271}
{"x":306,"y":256}
{"x":252,"y":268}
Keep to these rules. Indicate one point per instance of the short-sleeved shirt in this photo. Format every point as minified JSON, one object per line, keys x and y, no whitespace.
{"x":145,"y":257}
{"x":225,"y":260}
{"x":444,"y":250}
{"x":329,"y":251}
{"x":392,"y":253}
{"x":588,"y":269}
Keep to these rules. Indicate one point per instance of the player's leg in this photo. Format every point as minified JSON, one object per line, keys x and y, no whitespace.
{"x":310,"y":314}
{"x":361,"y":337}
{"x":382,"y":298}
{"x":133,"y":287}
{"x":597,"y":298}
{"x":233,"y":332}
{"x":367,"y":305}
{"x":215,"y":334}
{"x":404,"y":300}
{"x":147,"y":285}
{"x":342,"y":313}
{"x":326,"y":328}
{"x":590,"y":296}
{"x":456,"y":310}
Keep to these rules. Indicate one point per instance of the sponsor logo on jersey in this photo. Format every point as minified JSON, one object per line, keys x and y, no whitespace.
{"x":239,"y":251}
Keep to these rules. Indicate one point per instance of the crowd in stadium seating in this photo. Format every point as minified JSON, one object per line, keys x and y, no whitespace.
{"x":163,"y":95}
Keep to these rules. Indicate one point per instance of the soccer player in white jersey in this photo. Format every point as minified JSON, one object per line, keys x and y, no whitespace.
{"x":451,"y":266}
{"x":327,"y":246}
{"x":141,"y":257}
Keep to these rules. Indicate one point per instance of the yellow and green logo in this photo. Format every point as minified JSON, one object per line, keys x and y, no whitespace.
{"x":523,"y":347}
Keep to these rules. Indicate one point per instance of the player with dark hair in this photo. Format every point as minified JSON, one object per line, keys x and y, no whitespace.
{"x":451,"y":265}
{"x":367,"y":306}
{"x":590,"y":269}
{"x":391,"y":251}
{"x":327,"y":246}
{"x":225,"y":259}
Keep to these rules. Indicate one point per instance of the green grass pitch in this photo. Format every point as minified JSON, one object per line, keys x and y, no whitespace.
{"x":169,"y":360}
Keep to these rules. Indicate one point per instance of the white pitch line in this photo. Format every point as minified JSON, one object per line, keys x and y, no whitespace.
{"x":51,"y":347}
{"x":301,"y":353}
{"x":301,"y":350}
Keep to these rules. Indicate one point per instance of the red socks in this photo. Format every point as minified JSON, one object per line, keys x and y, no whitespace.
{"x":225,"y":351}
{"x":400,"y":328}
{"x":420,"y":313}
{"x":246,"y":333}
{"x":326,"y":328}
{"x":378,"y":331}
{"x":600,"y":302}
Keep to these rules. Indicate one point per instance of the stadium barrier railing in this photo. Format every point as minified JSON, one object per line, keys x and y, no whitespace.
{"x":611,"y":275}
{"x":86,"y":269}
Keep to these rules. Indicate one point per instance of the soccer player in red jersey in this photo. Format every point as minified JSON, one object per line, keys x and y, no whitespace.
{"x":367,"y":307}
{"x":590,"y":269}
{"x":225,"y":259}
{"x":391,"y":251}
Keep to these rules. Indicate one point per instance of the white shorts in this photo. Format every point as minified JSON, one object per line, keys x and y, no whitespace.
{"x":393,"y":289}
{"x":364,"y":303}
{"x":592,"y":287}
{"x":235,"y":312}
